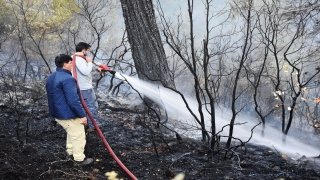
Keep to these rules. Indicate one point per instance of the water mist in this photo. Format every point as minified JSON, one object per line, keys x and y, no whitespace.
{"x":182,"y":121}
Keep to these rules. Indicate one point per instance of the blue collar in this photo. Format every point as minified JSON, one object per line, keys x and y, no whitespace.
{"x":63,"y":70}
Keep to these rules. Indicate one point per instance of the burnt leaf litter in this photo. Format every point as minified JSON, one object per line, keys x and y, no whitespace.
{"x":33,"y":148}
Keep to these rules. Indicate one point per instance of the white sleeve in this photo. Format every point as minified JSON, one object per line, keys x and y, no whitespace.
{"x":83,"y":66}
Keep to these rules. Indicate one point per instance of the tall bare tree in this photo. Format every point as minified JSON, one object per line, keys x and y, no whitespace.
{"x":246,"y":48}
{"x":145,"y":41}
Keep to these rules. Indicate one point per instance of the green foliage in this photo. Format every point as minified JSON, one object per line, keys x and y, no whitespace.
{"x":5,"y":20}
{"x":39,"y":18}
{"x":44,"y":15}
{"x":63,"y":10}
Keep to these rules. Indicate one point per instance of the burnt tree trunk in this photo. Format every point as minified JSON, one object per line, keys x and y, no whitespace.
{"x":144,"y":38}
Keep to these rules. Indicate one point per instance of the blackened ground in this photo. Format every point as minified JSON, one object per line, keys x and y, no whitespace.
{"x":42,"y":157}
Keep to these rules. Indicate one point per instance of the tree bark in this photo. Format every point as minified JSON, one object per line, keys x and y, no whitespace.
{"x":144,"y":38}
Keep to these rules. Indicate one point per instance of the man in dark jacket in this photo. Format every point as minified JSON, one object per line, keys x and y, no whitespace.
{"x":65,"y":106}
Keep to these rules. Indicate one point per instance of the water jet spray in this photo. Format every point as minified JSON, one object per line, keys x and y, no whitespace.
{"x":182,"y":121}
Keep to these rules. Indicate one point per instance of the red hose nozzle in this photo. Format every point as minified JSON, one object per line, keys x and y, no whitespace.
{"x":104,"y":68}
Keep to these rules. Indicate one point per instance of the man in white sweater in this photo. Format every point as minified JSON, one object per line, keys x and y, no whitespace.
{"x":84,"y":67}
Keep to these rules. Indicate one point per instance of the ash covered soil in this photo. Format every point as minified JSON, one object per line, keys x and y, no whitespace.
{"x":41,"y":155}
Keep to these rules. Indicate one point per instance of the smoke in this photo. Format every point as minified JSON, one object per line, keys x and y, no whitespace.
{"x":182,"y":120}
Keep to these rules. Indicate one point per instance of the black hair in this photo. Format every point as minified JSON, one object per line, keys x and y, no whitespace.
{"x":82,"y":46}
{"x":61,"y":59}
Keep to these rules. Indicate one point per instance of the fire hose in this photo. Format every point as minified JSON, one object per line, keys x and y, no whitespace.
{"x":92,"y":120}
